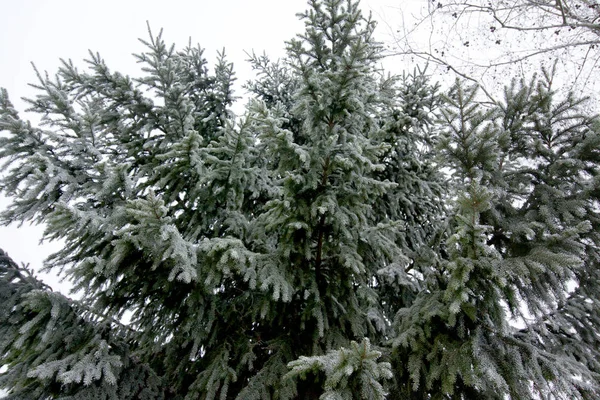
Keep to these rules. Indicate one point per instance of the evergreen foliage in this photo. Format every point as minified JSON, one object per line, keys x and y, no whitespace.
{"x":521,"y":248}
{"x":352,"y":235}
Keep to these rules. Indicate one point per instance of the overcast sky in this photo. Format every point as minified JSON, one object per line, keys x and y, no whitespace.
{"x":42,"y":32}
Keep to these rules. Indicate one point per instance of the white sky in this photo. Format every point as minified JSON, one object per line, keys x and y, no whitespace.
{"x":42,"y":31}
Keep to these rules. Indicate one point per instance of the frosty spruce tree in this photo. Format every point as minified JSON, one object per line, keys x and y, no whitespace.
{"x":352,"y":235}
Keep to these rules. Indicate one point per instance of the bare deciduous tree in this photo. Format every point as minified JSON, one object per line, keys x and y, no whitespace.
{"x":481,"y":39}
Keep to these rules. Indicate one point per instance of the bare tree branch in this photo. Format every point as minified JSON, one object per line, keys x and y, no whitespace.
{"x":473,"y":37}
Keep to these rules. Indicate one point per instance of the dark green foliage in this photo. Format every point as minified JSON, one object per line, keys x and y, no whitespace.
{"x":313,"y":247}
{"x":47,"y":335}
{"x":522,"y":251}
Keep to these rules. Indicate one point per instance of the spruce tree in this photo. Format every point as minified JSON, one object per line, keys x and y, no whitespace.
{"x":523,"y":234}
{"x":548,"y":234}
{"x":237,"y":245}
{"x":352,"y":235}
